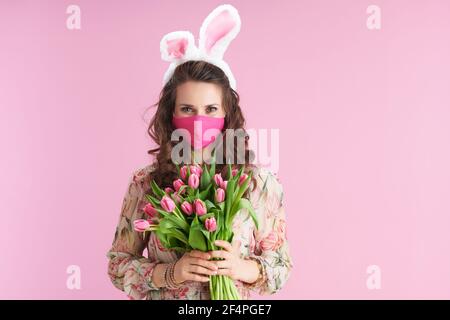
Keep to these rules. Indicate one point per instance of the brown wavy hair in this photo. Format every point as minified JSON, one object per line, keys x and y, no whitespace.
{"x":160,"y":127}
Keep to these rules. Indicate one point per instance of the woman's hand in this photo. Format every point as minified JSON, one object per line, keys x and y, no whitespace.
{"x":234,"y":266}
{"x":194,"y":266}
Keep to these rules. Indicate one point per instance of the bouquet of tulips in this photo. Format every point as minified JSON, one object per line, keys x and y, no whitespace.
{"x":198,"y":210}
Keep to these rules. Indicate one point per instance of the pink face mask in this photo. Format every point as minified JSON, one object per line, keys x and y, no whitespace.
{"x":203,"y":129}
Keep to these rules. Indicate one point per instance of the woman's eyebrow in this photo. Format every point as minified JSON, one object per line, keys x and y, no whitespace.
{"x":192,"y":106}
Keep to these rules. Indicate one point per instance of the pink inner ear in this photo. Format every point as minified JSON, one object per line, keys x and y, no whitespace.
{"x":177,"y":47}
{"x":219,"y":27}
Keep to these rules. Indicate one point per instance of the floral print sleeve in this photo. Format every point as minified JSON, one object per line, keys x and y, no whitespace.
{"x":269,"y":244}
{"x":128,"y":269}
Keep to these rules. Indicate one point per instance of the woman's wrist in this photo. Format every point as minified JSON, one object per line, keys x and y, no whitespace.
{"x":158,"y":275}
{"x":251,"y":271}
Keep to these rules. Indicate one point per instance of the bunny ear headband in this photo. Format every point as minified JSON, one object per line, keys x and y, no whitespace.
{"x":217,"y":31}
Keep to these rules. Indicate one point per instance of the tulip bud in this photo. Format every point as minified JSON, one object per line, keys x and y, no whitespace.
{"x":177,"y":184}
{"x":176,"y":197}
{"x":187,"y":208}
{"x":211,"y":224}
{"x":218,"y":179}
{"x":169,"y":190}
{"x":150,"y":210}
{"x":196,"y":169}
{"x":183,"y":172}
{"x":200,"y":207}
{"x":194,"y":181}
{"x":167,"y":204}
{"x":220,"y":195}
{"x":243,"y":178}
{"x":223,"y":185}
{"x":140,"y":225}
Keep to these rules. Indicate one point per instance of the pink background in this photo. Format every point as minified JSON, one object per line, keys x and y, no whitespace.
{"x":363,"y":118}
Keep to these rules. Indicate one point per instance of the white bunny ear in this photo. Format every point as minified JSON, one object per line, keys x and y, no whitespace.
{"x":177,"y":45}
{"x":218,"y":29}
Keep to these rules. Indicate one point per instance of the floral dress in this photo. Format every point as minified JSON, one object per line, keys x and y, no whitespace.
{"x":131,"y":272}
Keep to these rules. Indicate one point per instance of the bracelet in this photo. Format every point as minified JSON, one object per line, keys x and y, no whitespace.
{"x":165,"y":284}
{"x":169,"y":276}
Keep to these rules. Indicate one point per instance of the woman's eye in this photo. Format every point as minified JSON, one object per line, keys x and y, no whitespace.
{"x":186,"y":109}
{"x":211,"y":109}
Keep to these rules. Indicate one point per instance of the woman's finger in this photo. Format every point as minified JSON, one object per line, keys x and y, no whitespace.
{"x":199,"y":254}
{"x":224,"y":272}
{"x":197,"y":277}
{"x":224,"y":244}
{"x":220,"y":254}
{"x":204,"y":263}
{"x":223,"y":264}
{"x":201,"y":270}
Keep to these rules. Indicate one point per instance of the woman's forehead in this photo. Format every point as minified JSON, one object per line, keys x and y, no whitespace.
{"x":199,"y":94}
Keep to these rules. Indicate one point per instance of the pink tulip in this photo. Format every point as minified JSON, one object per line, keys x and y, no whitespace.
{"x":177,"y":184}
{"x":223,"y":185}
{"x":234,"y":172}
{"x":140,"y":225}
{"x":218,"y":179}
{"x":194,"y":181}
{"x":169,"y":190}
{"x":176,"y":197}
{"x":211,"y":224}
{"x":150,"y":210}
{"x":196,"y":169}
{"x":187,"y":208}
{"x":200,"y":207}
{"x":220,"y":195}
{"x":183,"y":172}
{"x":243,"y":178}
{"x":167,"y":204}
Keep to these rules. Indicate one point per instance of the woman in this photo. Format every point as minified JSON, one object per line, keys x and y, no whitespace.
{"x":257,"y":259}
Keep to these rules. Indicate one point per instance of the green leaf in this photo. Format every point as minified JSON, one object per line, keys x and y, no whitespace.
{"x":229,"y":198}
{"x":239,"y":173}
{"x":240,"y":191}
{"x":212,"y":169}
{"x":209,"y":205}
{"x":179,"y":235}
{"x":188,"y":172}
{"x":246,"y":204}
{"x":152,"y":200}
{"x":219,"y":217}
{"x":182,"y":224}
{"x":157,"y":190}
{"x":166,"y":224}
{"x":163,"y":213}
{"x":229,"y":172}
{"x":162,"y":238}
{"x":184,"y":186}
{"x":196,"y":238}
{"x":205,"y":179}
{"x":204,"y":194}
